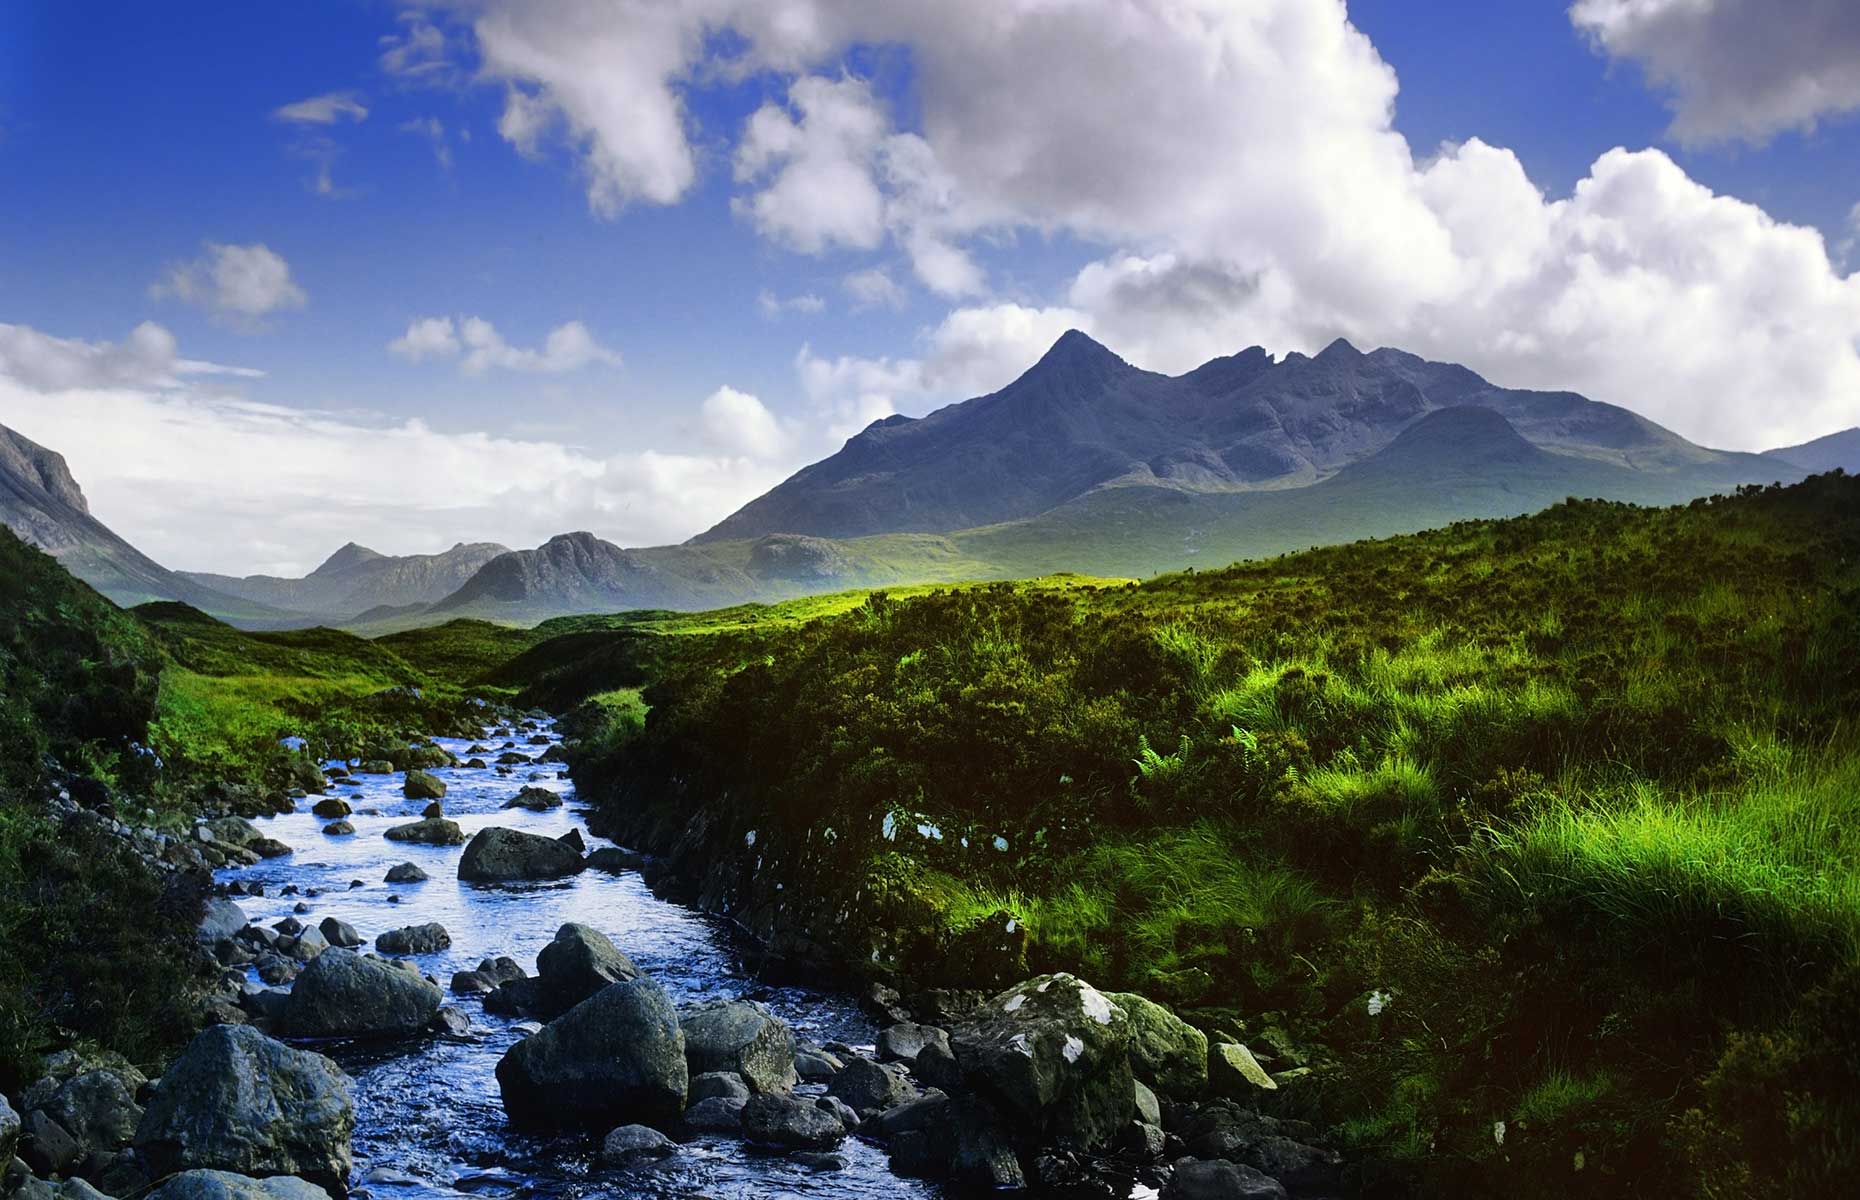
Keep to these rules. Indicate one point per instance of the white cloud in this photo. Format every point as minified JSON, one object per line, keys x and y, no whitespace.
{"x":209,"y":482}
{"x":420,"y":53}
{"x":434,"y":131}
{"x":238,"y":282}
{"x":146,"y":358}
{"x":427,"y":337}
{"x":738,"y":423}
{"x":814,"y":173}
{"x":874,"y":288}
{"x":1736,"y":69}
{"x":326,"y":109}
{"x":568,"y":347}
{"x":773,"y":306}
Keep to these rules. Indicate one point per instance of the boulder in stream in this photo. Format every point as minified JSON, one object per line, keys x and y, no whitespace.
{"x":429,"y":938}
{"x":535,"y":799}
{"x":578,"y":963}
{"x":791,"y":1123}
{"x":432,"y":831}
{"x":1166,"y":1052}
{"x":497,"y":855}
{"x":740,"y":1036}
{"x":239,"y":1101}
{"x":421,"y":785}
{"x":406,"y":873}
{"x":617,"y":1057}
{"x":344,"y":994}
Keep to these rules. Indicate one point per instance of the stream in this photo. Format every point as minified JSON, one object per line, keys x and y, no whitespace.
{"x":428,"y":1119}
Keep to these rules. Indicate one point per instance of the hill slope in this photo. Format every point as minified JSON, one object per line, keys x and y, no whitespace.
{"x":43,"y":504}
{"x":1082,"y":419}
{"x":1824,"y":453}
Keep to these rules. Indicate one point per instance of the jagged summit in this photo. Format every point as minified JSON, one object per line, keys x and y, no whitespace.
{"x":351,"y":555}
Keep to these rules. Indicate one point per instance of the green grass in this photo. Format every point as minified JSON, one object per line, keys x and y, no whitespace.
{"x":1575,"y":789}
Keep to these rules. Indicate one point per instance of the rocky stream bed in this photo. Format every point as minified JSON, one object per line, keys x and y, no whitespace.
{"x":435,"y":985}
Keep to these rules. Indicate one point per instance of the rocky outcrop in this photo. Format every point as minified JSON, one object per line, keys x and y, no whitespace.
{"x":1166,"y":1052}
{"x":1053,"y":1053}
{"x":617,"y":1057}
{"x":344,"y":994}
{"x":238,"y":1101}
{"x":742,"y":1037}
{"x":497,"y":855}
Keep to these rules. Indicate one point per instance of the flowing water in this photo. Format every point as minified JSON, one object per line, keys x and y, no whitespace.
{"x":427,"y":1116}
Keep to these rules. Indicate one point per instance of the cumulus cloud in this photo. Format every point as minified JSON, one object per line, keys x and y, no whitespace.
{"x":1736,"y":69}
{"x":242,"y":283}
{"x":242,"y":486}
{"x":739,"y":423}
{"x":568,"y":347}
{"x":874,"y":288}
{"x":326,"y":109}
{"x":812,"y":166}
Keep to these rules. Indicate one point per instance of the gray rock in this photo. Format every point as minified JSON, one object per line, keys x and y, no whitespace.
{"x":220,"y":919}
{"x":47,"y":1146}
{"x":1218,"y":1179}
{"x":717,"y":1083}
{"x":305,"y":946}
{"x":266,"y":847}
{"x":432,"y":831}
{"x":9,"y":1132}
{"x":718,"y":1114}
{"x":905,"y":1041}
{"x":502,"y":969}
{"x":871,"y":1088}
{"x":535,"y":799}
{"x":616,"y":1057}
{"x":342,"y":994}
{"x":630,"y":1144}
{"x":342,"y":828}
{"x":818,"y":1160}
{"x":1053,"y":1053}
{"x":422,"y":786}
{"x":339,"y":933}
{"x":740,"y":1036}
{"x":498,"y":855}
{"x":578,"y":963}
{"x":981,"y":1155}
{"x":238,"y":1101}
{"x":791,"y":1123}
{"x":1166,"y":1052}
{"x":429,"y":938}
{"x":452,"y":1022}
{"x":332,"y":808}
{"x":223,"y":1185}
{"x":928,"y":1111}
{"x":1149,"y":1108}
{"x":1233,"y":1071}
{"x":97,"y":1109}
{"x":470,"y":983}
{"x":406,"y":873}
{"x":815,"y":1065}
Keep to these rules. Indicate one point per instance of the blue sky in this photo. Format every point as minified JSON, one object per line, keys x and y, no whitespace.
{"x":773,"y":222}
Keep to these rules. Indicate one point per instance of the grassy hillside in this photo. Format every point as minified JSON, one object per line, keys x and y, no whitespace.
{"x":1542,"y":821}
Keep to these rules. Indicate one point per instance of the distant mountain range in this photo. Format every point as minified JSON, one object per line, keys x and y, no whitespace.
{"x":355,"y":579}
{"x":1085,"y":463}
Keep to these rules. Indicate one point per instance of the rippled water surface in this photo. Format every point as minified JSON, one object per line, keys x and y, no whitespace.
{"x":428,"y":1118}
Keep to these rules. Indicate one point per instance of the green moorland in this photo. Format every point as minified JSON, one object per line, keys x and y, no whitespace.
{"x":150,"y":712}
{"x":1537,"y":834}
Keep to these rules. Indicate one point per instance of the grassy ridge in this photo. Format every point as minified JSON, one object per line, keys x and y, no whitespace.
{"x":1568,"y":793}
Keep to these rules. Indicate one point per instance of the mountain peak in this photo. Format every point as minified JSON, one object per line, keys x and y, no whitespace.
{"x":25,"y":459}
{"x":351,"y":555}
{"x":1074,"y":350}
{"x":1339,"y":350}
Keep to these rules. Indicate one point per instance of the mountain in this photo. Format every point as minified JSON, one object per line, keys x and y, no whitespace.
{"x":356,"y":579}
{"x":43,"y":504}
{"x":1082,"y":419}
{"x":1824,"y":453}
{"x":1453,"y":464}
